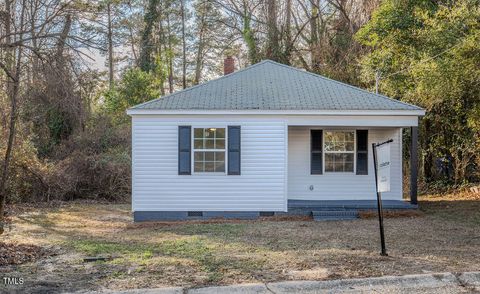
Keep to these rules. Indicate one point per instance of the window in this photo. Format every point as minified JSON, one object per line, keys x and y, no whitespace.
{"x":339,"y":148}
{"x":209,"y":150}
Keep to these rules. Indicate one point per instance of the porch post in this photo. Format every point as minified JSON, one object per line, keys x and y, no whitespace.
{"x":413,"y":165}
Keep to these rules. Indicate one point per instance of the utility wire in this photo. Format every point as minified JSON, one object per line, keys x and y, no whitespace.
{"x":428,"y":59}
{"x":378,"y":76}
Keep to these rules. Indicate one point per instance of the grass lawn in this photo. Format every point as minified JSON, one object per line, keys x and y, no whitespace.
{"x":446,"y":237}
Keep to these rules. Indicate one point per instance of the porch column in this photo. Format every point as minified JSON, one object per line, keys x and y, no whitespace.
{"x":413,"y":165}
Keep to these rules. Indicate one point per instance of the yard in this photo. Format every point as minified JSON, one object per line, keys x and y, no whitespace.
{"x":444,"y":237}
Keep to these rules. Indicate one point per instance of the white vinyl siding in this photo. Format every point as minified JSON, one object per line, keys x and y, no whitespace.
{"x":156,"y":185}
{"x":273,"y":165}
{"x":339,"y":186}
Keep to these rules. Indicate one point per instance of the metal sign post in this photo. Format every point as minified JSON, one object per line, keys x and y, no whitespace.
{"x":379,"y":190}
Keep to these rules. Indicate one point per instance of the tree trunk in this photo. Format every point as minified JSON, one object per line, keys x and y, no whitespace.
{"x":132,"y":38}
{"x":184,"y":57}
{"x":249,"y":38}
{"x":63,"y":39}
{"x":428,"y":159}
{"x":272,"y":31}
{"x":132,"y":45}
{"x":13,"y":93}
{"x":198,"y":62}
{"x":199,"y":55}
{"x":288,"y":34}
{"x":35,"y":60}
{"x":159,"y":54}
{"x":110,"y":45}
{"x":170,"y":57}
{"x":150,"y":19}
{"x":314,"y":37}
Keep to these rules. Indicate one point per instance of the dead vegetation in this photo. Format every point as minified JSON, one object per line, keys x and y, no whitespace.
{"x":444,"y":238}
{"x":14,"y":253}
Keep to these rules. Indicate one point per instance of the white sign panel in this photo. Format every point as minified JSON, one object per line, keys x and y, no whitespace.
{"x":383,"y":168}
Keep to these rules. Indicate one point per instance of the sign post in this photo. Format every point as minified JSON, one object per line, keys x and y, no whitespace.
{"x":381,"y":160}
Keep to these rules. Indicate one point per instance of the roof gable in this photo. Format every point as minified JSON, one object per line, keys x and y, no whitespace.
{"x":269,"y":85}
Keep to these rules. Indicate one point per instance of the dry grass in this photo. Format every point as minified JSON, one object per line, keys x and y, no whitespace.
{"x":391,"y":213}
{"x":445,"y":238}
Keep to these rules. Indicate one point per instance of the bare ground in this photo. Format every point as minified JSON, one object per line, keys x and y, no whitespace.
{"x":444,"y":237}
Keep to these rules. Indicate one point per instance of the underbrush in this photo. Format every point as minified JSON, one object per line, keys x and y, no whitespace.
{"x":93,"y":163}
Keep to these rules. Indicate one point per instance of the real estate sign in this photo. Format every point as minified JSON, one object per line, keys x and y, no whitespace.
{"x":383,"y":168}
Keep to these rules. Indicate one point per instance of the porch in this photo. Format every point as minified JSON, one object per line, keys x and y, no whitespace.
{"x":312,"y":176}
{"x":340,"y":190}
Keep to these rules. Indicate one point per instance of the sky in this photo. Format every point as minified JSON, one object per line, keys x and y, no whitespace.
{"x":98,"y":62}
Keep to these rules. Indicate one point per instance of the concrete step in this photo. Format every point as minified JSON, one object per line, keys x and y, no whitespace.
{"x":326,"y":215}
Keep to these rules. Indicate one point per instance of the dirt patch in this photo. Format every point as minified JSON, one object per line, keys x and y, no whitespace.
{"x":309,"y":274}
{"x":13,"y":253}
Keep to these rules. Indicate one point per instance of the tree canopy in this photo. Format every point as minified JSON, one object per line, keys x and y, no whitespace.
{"x":428,"y":53}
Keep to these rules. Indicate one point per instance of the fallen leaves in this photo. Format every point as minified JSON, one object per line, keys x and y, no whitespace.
{"x":14,"y":253}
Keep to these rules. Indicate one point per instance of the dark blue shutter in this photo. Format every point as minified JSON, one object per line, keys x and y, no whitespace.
{"x":362,"y":152}
{"x":234,"y":144}
{"x":184,"y":150}
{"x":316,"y":150}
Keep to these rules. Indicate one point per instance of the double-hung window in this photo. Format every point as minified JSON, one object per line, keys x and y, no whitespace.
{"x":209,"y":150}
{"x":339,"y":149}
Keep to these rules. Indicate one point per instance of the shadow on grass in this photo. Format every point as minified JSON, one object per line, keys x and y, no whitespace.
{"x":465,"y":212}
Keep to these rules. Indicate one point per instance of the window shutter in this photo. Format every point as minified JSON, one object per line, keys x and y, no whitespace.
{"x":362,"y":152}
{"x":184,"y":150}
{"x":234,"y":161}
{"x":316,"y":150}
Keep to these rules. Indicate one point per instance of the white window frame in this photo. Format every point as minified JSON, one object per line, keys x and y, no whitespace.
{"x":209,"y":150}
{"x":354,"y":152}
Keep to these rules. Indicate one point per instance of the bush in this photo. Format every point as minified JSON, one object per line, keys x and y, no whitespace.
{"x":27,"y":173}
{"x":91,"y":164}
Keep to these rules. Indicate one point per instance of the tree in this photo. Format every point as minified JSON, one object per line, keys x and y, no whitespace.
{"x":273,"y":34}
{"x":184,"y":45}
{"x":36,"y":65}
{"x":110,"y":44}
{"x":428,"y":54}
{"x":208,"y":38}
{"x":146,"y":49}
{"x":12,"y":69}
{"x":135,"y":87}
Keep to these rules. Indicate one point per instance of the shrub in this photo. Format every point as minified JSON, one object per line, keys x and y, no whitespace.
{"x":92,"y":164}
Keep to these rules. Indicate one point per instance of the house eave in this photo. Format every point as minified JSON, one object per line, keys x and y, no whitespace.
{"x":415,"y":112}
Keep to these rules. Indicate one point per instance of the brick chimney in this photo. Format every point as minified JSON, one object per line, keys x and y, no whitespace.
{"x":228,"y":65}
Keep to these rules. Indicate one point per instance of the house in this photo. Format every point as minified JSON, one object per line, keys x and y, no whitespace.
{"x":265,"y":140}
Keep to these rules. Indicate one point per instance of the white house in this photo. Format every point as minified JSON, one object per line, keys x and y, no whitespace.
{"x":265,"y":140}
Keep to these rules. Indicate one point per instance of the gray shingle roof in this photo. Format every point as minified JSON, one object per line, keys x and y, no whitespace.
{"x":269,"y":85}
